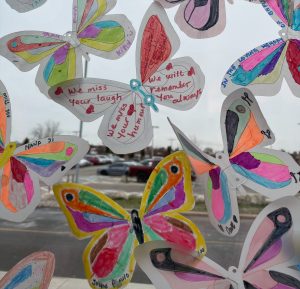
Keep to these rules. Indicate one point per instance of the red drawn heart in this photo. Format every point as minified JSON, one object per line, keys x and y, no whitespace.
{"x":169,"y":66}
{"x":191,"y":71}
{"x":131,"y":110}
{"x":59,"y":91}
{"x":90,"y":109}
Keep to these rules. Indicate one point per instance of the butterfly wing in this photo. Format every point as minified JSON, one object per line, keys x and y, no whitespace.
{"x":243,"y":125}
{"x":25,"y":6}
{"x":284,"y":13}
{"x":20,"y":191}
{"x":220,"y":195}
{"x":171,"y":267}
{"x":5,"y":117}
{"x":169,"y":192}
{"x":89,"y":98}
{"x":245,"y":133}
{"x":270,"y":247}
{"x":108,"y":258}
{"x":260,"y":69}
{"x":58,"y":60}
{"x":34,"y":271}
{"x":201,"y":19}
{"x":127,"y":127}
{"x":105,"y":36}
{"x":157,"y":42}
{"x":51,"y":158}
{"x":177,"y":83}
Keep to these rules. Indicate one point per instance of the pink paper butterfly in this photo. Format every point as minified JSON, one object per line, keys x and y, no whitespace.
{"x":269,"y":252}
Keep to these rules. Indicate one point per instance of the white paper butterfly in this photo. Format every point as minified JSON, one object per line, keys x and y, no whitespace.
{"x":60,"y":57}
{"x":269,"y":252}
{"x":127,"y":126}
{"x":23,"y":167}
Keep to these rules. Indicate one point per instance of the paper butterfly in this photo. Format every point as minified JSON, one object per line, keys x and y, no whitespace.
{"x":34,"y":271}
{"x":200,"y":19}
{"x":127,"y":126}
{"x":25,"y":5}
{"x":108,"y":258}
{"x":21,"y":168}
{"x":245,"y":162}
{"x":263,"y":68}
{"x":267,"y":255}
{"x":60,"y":57}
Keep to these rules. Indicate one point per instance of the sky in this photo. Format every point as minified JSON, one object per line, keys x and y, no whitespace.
{"x":248,"y":26}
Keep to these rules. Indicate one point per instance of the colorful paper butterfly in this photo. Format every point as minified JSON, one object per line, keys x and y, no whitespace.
{"x":245,"y":162}
{"x":127,"y":126}
{"x":262,"y":69}
{"x":198,"y":18}
{"x":21,"y":168}
{"x":108,"y":258}
{"x":60,"y":57}
{"x":25,"y":5}
{"x":34,"y":271}
{"x":267,"y":256}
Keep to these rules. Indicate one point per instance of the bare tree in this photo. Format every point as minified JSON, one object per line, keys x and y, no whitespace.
{"x":48,"y":129}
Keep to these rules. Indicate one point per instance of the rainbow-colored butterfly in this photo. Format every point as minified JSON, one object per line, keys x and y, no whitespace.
{"x":244,"y":164}
{"x":60,"y":57}
{"x":200,"y":19}
{"x":269,"y":252}
{"x":108,"y":258}
{"x":263,"y":68}
{"x":25,"y":5}
{"x":34,"y":271}
{"x":21,"y":168}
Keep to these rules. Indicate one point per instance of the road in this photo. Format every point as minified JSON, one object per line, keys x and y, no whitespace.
{"x":47,"y":229}
{"x":116,"y":184}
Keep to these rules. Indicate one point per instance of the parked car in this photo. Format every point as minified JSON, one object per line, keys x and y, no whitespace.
{"x":143,"y":172}
{"x":117,"y":168}
{"x":97,"y":160}
{"x":84,"y":163}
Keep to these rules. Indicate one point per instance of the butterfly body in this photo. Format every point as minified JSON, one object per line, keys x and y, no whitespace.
{"x":108,"y":258}
{"x":245,"y":164}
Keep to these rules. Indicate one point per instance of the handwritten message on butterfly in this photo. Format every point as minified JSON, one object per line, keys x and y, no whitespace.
{"x":127,"y":126}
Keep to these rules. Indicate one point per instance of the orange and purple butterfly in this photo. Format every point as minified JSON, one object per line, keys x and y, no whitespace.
{"x":245,"y":162}
{"x":198,"y":18}
{"x":263,"y":68}
{"x":21,"y":168}
{"x":34,"y":271}
{"x":268,"y":255}
{"x":60,"y":57}
{"x":108,"y":258}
